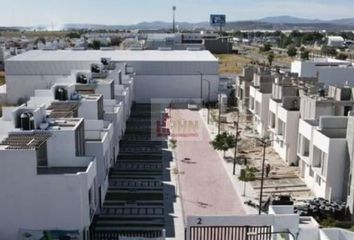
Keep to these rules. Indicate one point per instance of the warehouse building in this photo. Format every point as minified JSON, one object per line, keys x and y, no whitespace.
{"x":159,"y":74}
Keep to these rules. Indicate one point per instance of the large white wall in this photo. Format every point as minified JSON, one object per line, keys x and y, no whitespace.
{"x":174,"y":86}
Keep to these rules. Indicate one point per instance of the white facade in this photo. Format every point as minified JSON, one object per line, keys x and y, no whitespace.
{"x":322,"y":150}
{"x":259,"y":107}
{"x":335,"y":41}
{"x":157,"y":72}
{"x":283,"y":125}
{"x":328,"y":71}
{"x":57,"y":185}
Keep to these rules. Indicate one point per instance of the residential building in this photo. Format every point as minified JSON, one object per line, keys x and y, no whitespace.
{"x":260,"y":93}
{"x":322,"y":142}
{"x":284,"y":106}
{"x":328,"y":71}
{"x":242,"y":88}
{"x":323,"y":156}
{"x":57,"y":185}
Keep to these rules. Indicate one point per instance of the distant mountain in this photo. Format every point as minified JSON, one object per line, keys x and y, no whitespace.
{"x":268,"y":23}
{"x":344,"y":21}
{"x":289,"y":19}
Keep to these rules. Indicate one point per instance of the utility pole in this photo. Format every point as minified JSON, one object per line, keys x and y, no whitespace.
{"x":201,"y":88}
{"x":264,"y":145}
{"x":174,"y":19}
{"x":219,"y":120}
{"x":236,"y":140}
{"x":208,"y":101}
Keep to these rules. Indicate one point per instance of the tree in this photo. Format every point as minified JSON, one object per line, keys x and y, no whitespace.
{"x":223,"y":142}
{"x":292,"y":51}
{"x":173,"y":143}
{"x":342,"y":56}
{"x":328,"y":50}
{"x":95,"y":45}
{"x":73,"y":35}
{"x":266,"y":48}
{"x":116,"y":41}
{"x":305,"y":55}
{"x":270,"y":58}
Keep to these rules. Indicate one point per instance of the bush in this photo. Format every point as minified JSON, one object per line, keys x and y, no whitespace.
{"x":292,"y":51}
{"x":327,"y":50}
{"x":342,"y":56}
{"x":266,"y":48}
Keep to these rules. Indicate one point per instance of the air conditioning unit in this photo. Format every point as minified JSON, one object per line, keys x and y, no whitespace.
{"x":105,"y":61}
{"x":96,"y":68}
{"x":82,"y":78}
{"x":61,"y":94}
{"x":26,"y":121}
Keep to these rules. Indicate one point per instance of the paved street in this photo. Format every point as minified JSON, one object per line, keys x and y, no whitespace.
{"x":206,"y":188}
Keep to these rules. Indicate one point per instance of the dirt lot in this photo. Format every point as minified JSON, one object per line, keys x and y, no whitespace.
{"x":232,"y":63}
{"x":2,"y":78}
{"x":34,"y":34}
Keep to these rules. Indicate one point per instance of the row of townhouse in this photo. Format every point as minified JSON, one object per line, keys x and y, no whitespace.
{"x":60,"y":141}
{"x":309,"y":126}
{"x":57,"y":148}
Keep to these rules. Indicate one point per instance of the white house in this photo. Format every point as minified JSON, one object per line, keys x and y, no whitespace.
{"x":329,"y":71}
{"x":260,"y":94}
{"x":57,"y":185}
{"x":284,"y":119}
{"x":323,"y":155}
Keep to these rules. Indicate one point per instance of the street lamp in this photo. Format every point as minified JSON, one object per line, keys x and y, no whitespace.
{"x":219,"y":118}
{"x":264,"y":143}
{"x":253,"y":234}
{"x":236,"y":123}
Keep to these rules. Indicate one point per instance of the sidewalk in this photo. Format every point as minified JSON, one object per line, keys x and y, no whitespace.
{"x":244,"y":190}
{"x":205,"y":189}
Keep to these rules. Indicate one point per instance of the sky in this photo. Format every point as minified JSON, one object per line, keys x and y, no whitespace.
{"x":119,"y":12}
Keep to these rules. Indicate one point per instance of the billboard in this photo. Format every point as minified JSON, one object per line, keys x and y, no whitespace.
{"x":218,"y":20}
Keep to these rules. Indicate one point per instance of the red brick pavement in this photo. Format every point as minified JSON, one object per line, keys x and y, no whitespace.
{"x":206,"y":188}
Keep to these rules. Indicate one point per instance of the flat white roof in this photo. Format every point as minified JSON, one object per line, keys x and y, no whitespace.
{"x":116,"y":55}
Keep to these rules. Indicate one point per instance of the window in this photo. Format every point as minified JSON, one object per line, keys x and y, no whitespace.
{"x":347,"y":109}
{"x":306,"y":147}
{"x":80,"y":140}
{"x":311,"y":172}
{"x":318,"y":180}
{"x":324,"y":165}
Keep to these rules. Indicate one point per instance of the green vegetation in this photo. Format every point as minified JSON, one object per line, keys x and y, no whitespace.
{"x":73,"y":35}
{"x":266,"y":48}
{"x":173,"y":143}
{"x":329,"y":51}
{"x":296,"y":38}
{"x":292,"y":51}
{"x":342,"y":56}
{"x":248,"y":174}
{"x":95,"y":45}
{"x":270,"y":58}
{"x":330,"y":222}
{"x":2,"y":79}
{"x":223,"y":142}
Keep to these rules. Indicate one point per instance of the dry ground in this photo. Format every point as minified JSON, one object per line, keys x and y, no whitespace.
{"x":2,"y":78}
{"x":32,"y":34}
{"x":232,"y":63}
